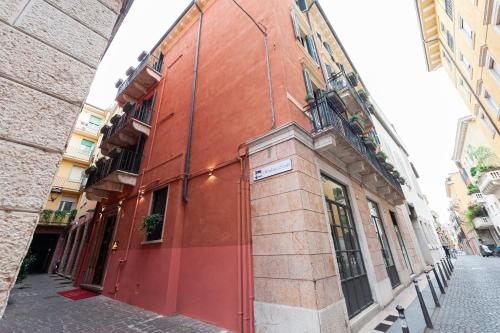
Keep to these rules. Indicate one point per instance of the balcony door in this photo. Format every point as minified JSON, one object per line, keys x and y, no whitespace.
{"x":384,"y":244}
{"x":354,"y":279}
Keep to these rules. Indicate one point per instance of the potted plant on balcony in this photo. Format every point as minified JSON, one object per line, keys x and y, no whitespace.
{"x":59,"y":216}
{"x":401,"y":180}
{"x":370,"y":143}
{"x":381,"y":156}
{"x":309,"y":99}
{"x":389,"y":166}
{"x":357,"y":124}
{"x":395,"y":173}
{"x":363,"y":95}
{"x":150,"y":223}
{"x":46,"y":215}
{"x":472,"y":188}
{"x":72,"y":215}
{"x":476,"y":210}
{"x":353,"y":79}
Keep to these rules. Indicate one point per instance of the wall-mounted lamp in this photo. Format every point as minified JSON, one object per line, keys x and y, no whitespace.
{"x":141,"y":193}
{"x":211,"y":172}
{"x":54,"y":193}
{"x":115,"y":246}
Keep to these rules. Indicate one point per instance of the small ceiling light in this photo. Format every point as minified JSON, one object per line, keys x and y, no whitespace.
{"x":211,"y":172}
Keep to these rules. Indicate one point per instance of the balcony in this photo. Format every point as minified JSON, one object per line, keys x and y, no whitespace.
{"x":112,"y":174}
{"x":477,"y":198}
{"x":79,"y":153}
{"x":127,"y":128}
{"x":87,"y":128}
{"x":140,"y":80}
{"x":66,"y":184}
{"x":354,"y":102}
{"x":489,"y":182}
{"x":56,"y":218}
{"x":335,"y":140}
{"x":482,"y":223}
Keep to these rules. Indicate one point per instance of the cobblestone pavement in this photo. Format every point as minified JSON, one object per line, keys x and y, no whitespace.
{"x":35,"y":307}
{"x":472,"y":301}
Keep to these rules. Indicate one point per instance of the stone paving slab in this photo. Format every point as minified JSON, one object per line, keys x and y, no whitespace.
{"x":35,"y":307}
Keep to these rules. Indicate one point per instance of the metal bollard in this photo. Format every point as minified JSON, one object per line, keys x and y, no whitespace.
{"x":427,"y":318}
{"x":402,"y":317}
{"x":451,"y":264}
{"x":447,"y":266}
{"x":445,"y":270}
{"x":433,"y":292}
{"x":442,"y":275}
{"x":440,"y":285}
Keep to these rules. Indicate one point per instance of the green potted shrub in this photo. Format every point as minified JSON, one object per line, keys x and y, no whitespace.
{"x":370,"y":143}
{"x":395,"y":173}
{"x":357,"y":124}
{"x":309,"y":99}
{"x":72,"y":215}
{"x":353,"y":79}
{"x":46,"y":215}
{"x":474,"y":211}
{"x":59,"y":216}
{"x":472,"y":188}
{"x":401,"y":180}
{"x":381,"y":156}
{"x":389,"y":166}
{"x":150,"y":223}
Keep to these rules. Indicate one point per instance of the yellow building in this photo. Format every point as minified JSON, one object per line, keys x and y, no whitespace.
{"x":463,"y":36}
{"x":66,"y":201}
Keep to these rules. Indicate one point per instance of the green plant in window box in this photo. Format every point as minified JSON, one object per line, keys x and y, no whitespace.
{"x":370,"y":142}
{"x":150,"y":223}
{"x":309,"y":99}
{"x":472,"y":188}
{"x":389,"y":166}
{"x":474,"y":211}
{"x":357,"y":124}
{"x":401,"y":180}
{"x":381,"y":156}
{"x":59,"y":215}
{"x":395,"y":173}
{"x":46,"y":215}
{"x":72,"y":215}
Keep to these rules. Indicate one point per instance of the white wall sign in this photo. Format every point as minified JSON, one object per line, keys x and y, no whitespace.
{"x":272,"y":169}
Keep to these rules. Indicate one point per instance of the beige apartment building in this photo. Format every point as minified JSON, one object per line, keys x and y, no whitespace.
{"x":463,"y":36}
{"x":50,"y":52}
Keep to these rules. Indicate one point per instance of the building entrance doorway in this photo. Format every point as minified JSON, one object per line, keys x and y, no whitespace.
{"x":43,"y":247}
{"x":102,"y":255}
{"x":354,"y":278}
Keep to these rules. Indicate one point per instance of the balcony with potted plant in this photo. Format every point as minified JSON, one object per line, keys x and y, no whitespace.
{"x":478,"y":215}
{"x":141,"y":79}
{"x":126,"y":129}
{"x":335,"y":139}
{"x":488,"y":180}
{"x":357,"y":124}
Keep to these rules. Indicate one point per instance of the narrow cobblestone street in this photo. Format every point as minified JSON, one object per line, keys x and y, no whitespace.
{"x":36,"y":307}
{"x":471,"y":304}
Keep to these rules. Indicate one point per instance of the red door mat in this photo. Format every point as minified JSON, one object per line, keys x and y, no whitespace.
{"x":77,"y":294}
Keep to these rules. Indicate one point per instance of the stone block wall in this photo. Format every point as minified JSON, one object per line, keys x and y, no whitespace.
{"x":297,"y":288}
{"x":49,"y":55}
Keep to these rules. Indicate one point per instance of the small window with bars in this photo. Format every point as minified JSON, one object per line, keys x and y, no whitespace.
{"x":448,"y":6}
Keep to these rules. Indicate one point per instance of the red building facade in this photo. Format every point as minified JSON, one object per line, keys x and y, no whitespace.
{"x":218,"y":102}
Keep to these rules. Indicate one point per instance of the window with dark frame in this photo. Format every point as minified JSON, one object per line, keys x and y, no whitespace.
{"x":158,"y":206}
{"x":448,"y":6}
{"x":350,"y":262}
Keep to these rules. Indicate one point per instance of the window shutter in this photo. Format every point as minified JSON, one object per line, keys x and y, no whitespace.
{"x":328,"y":49}
{"x":307,"y":80}
{"x":311,"y":48}
{"x":329,"y":71}
{"x":296,"y":27}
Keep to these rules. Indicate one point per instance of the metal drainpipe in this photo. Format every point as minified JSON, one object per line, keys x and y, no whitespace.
{"x":187,"y":160}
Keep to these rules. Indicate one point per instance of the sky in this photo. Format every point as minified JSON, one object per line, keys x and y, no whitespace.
{"x":383,"y":40}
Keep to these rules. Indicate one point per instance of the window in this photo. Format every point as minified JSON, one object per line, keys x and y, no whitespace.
{"x":493,"y":67}
{"x":449,"y":39}
{"x":348,"y":253}
{"x":443,"y":29}
{"x":303,"y":38}
{"x":329,"y":71}
{"x":465,"y":88}
{"x":145,"y":112}
{"x":465,"y":63}
{"x":308,"y":83}
{"x":495,"y":16}
{"x":329,"y":50}
{"x":67,"y":204}
{"x":491,"y":102}
{"x":466,"y":29}
{"x":301,"y":4}
{"x":76,"y":174}
{"x":159,"y":62}
{"x":448,"y":7}
{"x":158,"y":206}
{"x":95,"y":123}
{"x":487,"y":123}
{"x":86,"y":147}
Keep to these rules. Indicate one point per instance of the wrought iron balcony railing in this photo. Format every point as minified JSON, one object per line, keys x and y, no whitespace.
{"x":325,"y":114}
{"x":125,"y":160}
{"x":344,"y":88}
